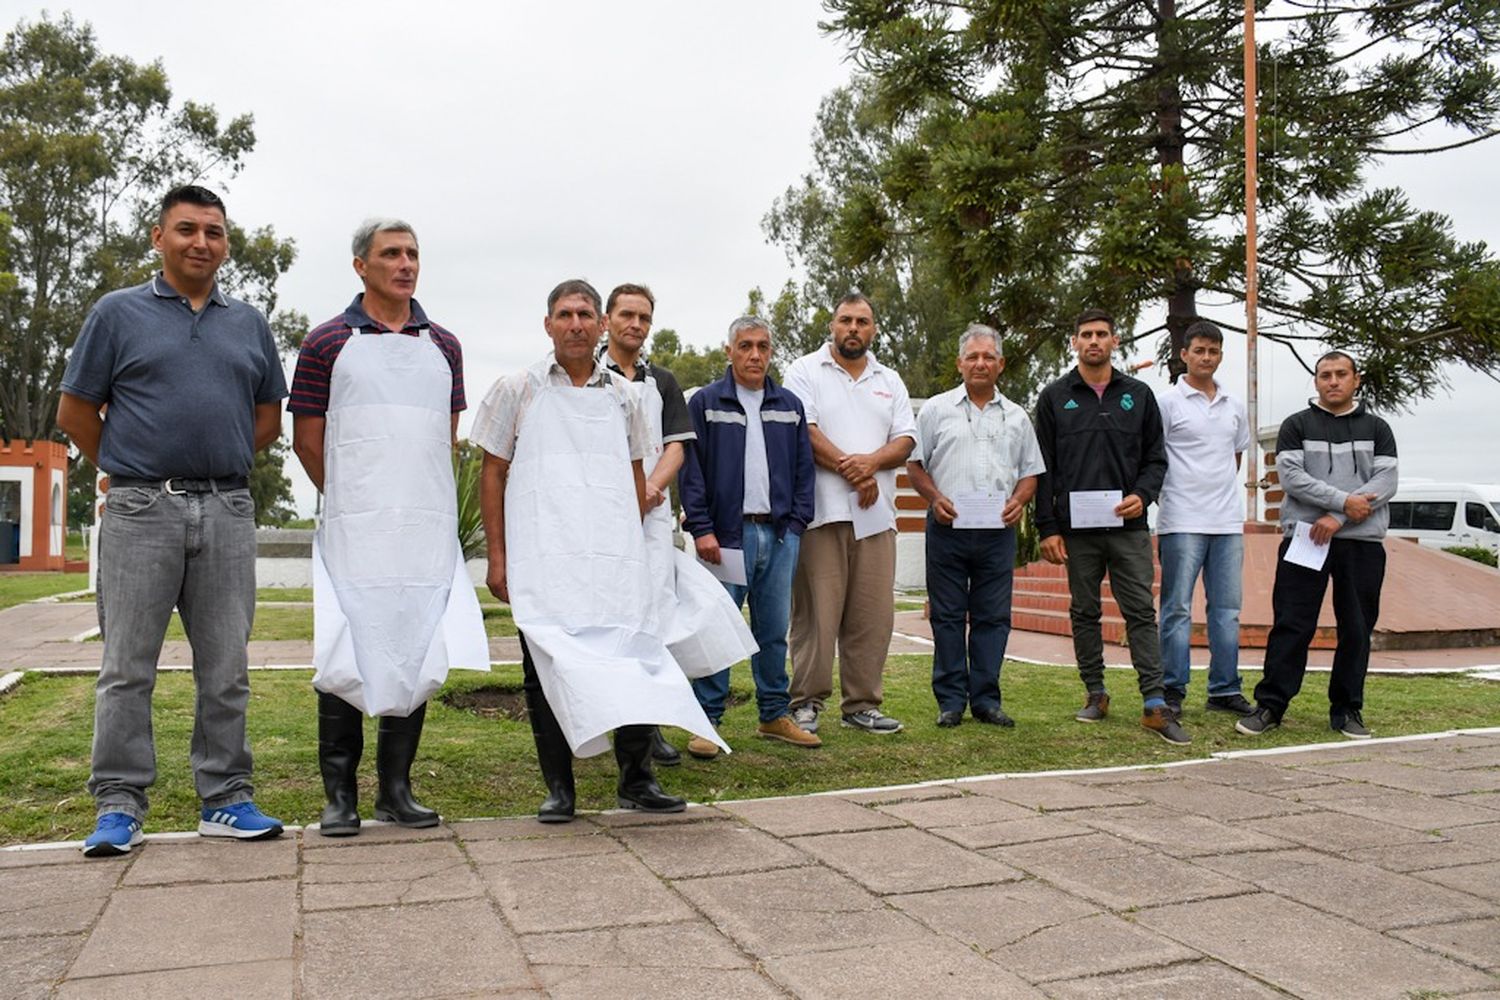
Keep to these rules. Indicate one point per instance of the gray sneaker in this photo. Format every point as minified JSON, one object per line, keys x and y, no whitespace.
{"x":872,"y":721}
{"x":1351,"y":725}
{"x":806,"y":716}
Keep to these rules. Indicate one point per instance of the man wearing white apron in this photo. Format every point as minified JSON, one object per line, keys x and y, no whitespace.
{"x":375,"y":403}
{"x":700,"y":625}
{"x":563,"y":493}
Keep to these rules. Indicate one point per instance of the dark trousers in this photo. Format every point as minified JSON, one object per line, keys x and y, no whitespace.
{"x":1357,"y":570}
{"x":532,"y":683}
{"x":1126,"y":556}
{"x":969,"y":578}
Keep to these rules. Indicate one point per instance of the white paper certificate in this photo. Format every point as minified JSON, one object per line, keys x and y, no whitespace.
{"x":979,"y":510}
{"x":730,"y":568}
{"x":1094,"y":509}
{"x":871,"y":520}
{"x":1303,"y":551}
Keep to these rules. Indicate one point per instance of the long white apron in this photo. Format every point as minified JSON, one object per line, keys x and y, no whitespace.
{"x":579,"y":578}
{"x":393,"y":607}
{"x":699,"y":623}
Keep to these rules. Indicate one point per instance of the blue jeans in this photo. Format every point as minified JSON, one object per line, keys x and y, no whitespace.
{"x":195,"y":551}
{"x":769,"y":565}
{"x":1219,"y":558}
{"x":970,"y":573}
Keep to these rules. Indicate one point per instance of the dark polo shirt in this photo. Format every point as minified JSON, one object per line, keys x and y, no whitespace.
{"x":182,"y":387}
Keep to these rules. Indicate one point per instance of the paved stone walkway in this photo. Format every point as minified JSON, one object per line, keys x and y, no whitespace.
{"x":1356,"y":870}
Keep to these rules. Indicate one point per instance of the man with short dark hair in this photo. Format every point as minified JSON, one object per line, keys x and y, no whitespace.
{"x":1200,"y":523}
{"x":1336,"y":462}
{"x":193,"y":386}
{"x":1100,"y":433}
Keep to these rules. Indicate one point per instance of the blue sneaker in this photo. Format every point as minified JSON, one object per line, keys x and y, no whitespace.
{"x":116,"y":833}
{"x":242,"y":821}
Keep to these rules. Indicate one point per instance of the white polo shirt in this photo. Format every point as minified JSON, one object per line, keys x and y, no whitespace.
{"x":1203,"y":494}
{"x":503,"y":410}
{"x":966,"y":449}
{"x":858,"y":415}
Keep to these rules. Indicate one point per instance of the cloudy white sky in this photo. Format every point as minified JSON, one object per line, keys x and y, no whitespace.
{"x":620,"y":142}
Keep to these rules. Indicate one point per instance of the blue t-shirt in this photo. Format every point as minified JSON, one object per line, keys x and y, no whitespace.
{"x":182,"y":387}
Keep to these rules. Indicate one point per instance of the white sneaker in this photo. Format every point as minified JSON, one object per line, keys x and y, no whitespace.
{"x":806,"y":716}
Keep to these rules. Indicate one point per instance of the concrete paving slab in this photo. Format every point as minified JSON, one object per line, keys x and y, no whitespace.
{"x":375,"y":832}
{"x":1011,"y":831}
{"x":994,"y":916}
{"x":572,"y":894}
{"x":796,"y":817}
{"x":1482,"y":880}
{"x":1436,"y":852}
{"x":50,"y":900}
{"x":796,"y":910}
{"x":919,"y":970}
{"x":430,"y":949}
{"x":1259,"y":774}
{"x":1307,"y":953}
{"x":1413,"y":778}
{"x":1052,"y":794}
{"x":1093,"y":945}
{"x":633,"y":817}
{"x":29,"y":967}
{"x":1117,"y":873}
{"x":970,"y":810}
{"x":1177,"y":834}
{"x":1189,"y":981}
{"x":1219,"y":801}
{"x":1413,"y":811}
{"x":698,"y":849}
{"x":1474,"y":941}
{"x":246,"y":980}
{"x":1359,"y":892}
{"x":1330,"y":831}
{"x":1127,"y":776}
{"x":387,"y":875}
{"x":175,"y":927}
{"x":659,"y":984}
{"x":915,"y":793}
{"x":520,"y":826}
{"x":905,"y":860}
{"x":499,"y":852}
{"x":692,"y":945}
{"x":373,"y":862}
{"x":205,"y":860}
{"x":38,"y":855}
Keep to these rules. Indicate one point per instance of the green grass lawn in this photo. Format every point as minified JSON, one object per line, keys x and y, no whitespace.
{"x":296,"y":623}
{"x":18,"y":588}
{"x":475,"y":766}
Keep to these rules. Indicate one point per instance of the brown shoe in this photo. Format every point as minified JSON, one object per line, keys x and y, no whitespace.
{"x":703,"y":749}
{"x":784,"y":729}
{"x":1095,"y":709}
{"x":1161,"y":722}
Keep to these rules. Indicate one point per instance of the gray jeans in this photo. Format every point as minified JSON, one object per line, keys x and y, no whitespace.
{"x":197,"y":552}
{"x":1126,"y":555}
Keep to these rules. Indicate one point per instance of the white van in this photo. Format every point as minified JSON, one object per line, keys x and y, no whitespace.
{"x":1441,"y":515}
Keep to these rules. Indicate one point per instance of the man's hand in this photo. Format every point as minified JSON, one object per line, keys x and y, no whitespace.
{"x":857,"y":468}
{"x":1131,"y":506}
{"x":654,"y":497}
{"x":495,"y":580}
{"x":1054,"y":550}
{"x":708,"y":548}
{"x":1358,"y":506}
{"x":943,"y":510}
{"x":869,"y":492}
{"x":1323,"y":529}
{"x":1012,"y":511}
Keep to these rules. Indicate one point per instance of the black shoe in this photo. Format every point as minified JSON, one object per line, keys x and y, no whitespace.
{"x":1260,"y":721}
{"x":555,"y":758}
{"x":994,"y":717}
{"x":1095,"y":709}
{"x":637,"y":788}
{"x":395,"y":748}
{"x":950,"y":720}
{"x":1351,"y":725}
{"x":663,"y":752}
{"x":341,"y":744}
{"x":1235,"y":703}
{"x":1174,"y":708}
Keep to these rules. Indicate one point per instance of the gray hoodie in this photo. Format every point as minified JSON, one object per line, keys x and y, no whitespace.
{"x":1322,"y":458}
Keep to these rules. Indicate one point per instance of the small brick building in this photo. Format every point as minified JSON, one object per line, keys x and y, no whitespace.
{"x":33,"y":499}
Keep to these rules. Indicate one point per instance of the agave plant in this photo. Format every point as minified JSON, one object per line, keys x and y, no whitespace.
{"x":467,"y":460}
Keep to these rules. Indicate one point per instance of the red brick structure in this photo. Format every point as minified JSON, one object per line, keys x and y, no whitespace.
{"x":34,"y":493}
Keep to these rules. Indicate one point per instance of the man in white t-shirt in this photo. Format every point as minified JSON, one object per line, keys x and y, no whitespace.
{"x":1200,"y":527}
{"x":862,"y":431}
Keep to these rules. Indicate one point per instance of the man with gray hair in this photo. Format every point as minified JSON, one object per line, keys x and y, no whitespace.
{"x":374,"y":418}
{"x":976,"y":465}
{"x":747,"y":488}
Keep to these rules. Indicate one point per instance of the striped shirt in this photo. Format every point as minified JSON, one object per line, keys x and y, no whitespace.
{"x":970,"y":450}
{"x":321,"y":347}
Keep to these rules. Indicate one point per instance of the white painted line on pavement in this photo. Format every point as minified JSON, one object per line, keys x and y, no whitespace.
{"x":10,"y":680}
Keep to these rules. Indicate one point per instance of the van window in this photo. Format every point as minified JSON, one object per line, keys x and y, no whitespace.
{"x":1477,"y":515}
{"x":1400,"y":513}
{"x":1433,"y":515}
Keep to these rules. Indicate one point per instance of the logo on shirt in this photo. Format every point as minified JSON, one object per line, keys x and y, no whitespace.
{"x":1071,"y":404}
{"x":1127,"y":403}
{"x":881,"y":394}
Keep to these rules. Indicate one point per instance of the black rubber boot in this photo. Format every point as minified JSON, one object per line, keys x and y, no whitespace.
{"x":395,"y":749}
{"x":341,"y":743}
{"x":638,"y":788}
{"x":663,"y":752}
{"x":556,"y":760}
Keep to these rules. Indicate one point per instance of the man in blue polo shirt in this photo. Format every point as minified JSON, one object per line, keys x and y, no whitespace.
{"x":193,"y":387}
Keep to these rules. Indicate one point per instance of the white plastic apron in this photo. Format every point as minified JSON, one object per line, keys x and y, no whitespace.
{"x":579,"y":578}
{"x":393,"y":607}
{"x":698,"y":622}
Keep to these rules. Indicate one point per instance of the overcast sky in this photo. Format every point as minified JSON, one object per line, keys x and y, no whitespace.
{"x":528,"y":143}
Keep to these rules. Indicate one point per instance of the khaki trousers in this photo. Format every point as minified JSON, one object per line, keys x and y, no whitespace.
{"x":842,"y":594}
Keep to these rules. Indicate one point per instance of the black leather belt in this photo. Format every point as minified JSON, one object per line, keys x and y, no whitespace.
{"x":180,"y":485}
{"x":758,"y":518}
